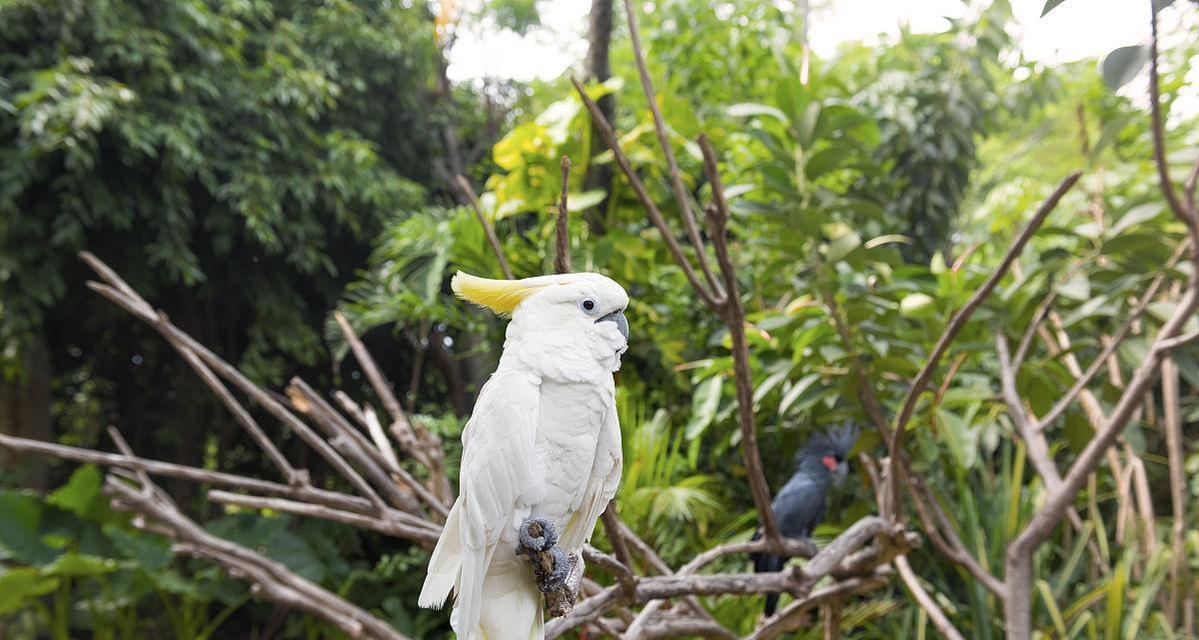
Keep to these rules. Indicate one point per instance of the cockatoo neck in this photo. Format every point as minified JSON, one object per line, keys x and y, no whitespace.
{"x":590,"y":355}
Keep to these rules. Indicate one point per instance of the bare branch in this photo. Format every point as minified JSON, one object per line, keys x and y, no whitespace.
{"x":415,"y":440}
{"x":562,"y":227}
{"x":788,"y":619}
{"x":393,"y":522}
{"x":180,"y":340}
{"x":672,"y":166}
{"x":1034,"y":440}
{"x":366,"y":417}
{"x":956,"y":323}
{"x":926,"y":602}
{"x":717,"y":216}
{"x":332,"y":499}
{"x":1180,"y":584}
{"x":271,"y":580}
{"x":492,"y":239}
{"x":655,"y":215}
{"x":1111,"y":345}
{"x":1181,"y":211}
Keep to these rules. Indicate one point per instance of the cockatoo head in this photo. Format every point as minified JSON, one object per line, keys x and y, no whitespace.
{"x":569,"y":327}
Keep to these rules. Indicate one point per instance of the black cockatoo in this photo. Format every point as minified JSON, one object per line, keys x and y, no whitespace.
{"x":801,"y":503}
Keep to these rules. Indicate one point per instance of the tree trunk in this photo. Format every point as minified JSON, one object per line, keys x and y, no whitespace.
{"x":25,"y":410}
{"x":599,"y":41}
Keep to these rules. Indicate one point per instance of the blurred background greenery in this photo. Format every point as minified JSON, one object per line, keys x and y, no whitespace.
{"x":250,"y":166}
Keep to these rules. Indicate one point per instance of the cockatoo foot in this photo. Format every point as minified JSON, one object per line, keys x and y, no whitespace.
{"x":537,"y":534}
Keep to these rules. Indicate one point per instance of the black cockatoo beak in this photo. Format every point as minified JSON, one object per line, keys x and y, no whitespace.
{"x":622,"y":324}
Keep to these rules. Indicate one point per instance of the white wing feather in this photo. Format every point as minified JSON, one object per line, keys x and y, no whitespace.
{"x":601,"y":487}
{"x":498,"y":470}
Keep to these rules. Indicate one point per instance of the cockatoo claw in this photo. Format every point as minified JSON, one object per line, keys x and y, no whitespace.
{"x":562,"y":567}
{"x":537,"y":538}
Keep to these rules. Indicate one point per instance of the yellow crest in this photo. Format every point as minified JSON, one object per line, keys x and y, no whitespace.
{"x":501,"y":296}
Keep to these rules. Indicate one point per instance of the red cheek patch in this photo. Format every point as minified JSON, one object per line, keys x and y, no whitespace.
{"x":830,"y":462}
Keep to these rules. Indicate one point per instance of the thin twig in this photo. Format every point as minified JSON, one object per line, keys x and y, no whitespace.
{"x":717,"y":215}
{"x":655,"y":215}
{"x":333,"y":499}
{"x":562,"y":226}
{"x":672,"y":165}
{"x":926,"y":602}
{"x":956,"y":323}
{"x":492,"y":239}
{"x":1181,"y":211}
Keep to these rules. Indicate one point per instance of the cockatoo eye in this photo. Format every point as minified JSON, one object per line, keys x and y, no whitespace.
{"x":589,"y":305}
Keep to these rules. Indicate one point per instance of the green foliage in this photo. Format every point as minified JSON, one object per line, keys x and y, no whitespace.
{"x":216,"y":145}
{"x":881,"y":186}
{"x":256,"y":146}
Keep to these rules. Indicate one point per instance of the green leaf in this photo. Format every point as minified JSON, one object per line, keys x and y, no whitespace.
{"x":748,"y":109}
{"x":826,"y":160}
{"x":795,"y":391}
{"x":959,"y":436}
{"x":73,"y":564}
{"x":18,"y":585}
{"x":576,"y":202}
{"x":1050,"y":5}
{"x":1135,"y":216}
{"x":770,"y":383}
{"x":704,"y":403}
{"x":151,"y":553}
{"x":1078,"y":287}
{"x":1122,"y":65}
{"x":807,"y":125}
{"x":22,"y":515}
{"x":918,"y":305}
{"x":80,"y":493}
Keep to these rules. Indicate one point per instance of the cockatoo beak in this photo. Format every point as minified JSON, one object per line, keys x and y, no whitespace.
{"x":622,"y":323}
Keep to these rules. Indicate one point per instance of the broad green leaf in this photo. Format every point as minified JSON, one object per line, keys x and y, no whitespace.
{"x":807,"y":125}
{"x":746,"y":109}
{"x":918,"y":305}
{"x":585,"y":200}
{"x":73,"y":564}
{"x":795,"y":391}
{"x":151,"y":553}
{"x":1135,"y":216}
{"x":1078,"y":287}
{"x":79,"y":494}
{"x":1123,"y":64}
{"x":18,"y":585}
{"x":827,"y":160}
{"x":19,"y":524}
{"x":1050,"y":5}
{"x":704,"y":403}
{"x":959,"y":436}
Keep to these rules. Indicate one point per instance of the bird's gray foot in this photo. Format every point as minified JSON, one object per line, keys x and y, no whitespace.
{"x":537,"y":534}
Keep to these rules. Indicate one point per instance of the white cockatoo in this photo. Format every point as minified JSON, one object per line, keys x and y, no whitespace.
{"x":543,"y":442}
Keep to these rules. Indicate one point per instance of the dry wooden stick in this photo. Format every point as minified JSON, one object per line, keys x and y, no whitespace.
{"x":180,"y":340}
{"x":562,"y":225}
{"x":672,"y":165}
{"x":651,"y":209}
{"x":492,"y":239}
